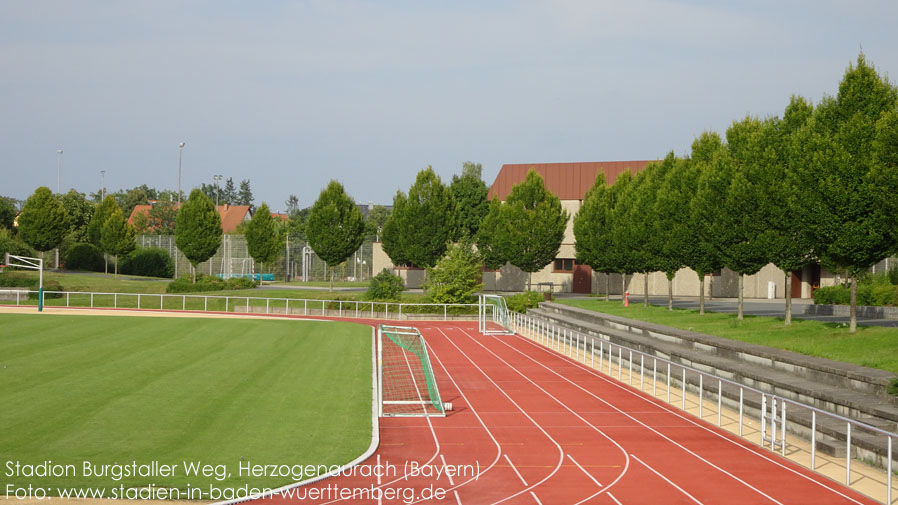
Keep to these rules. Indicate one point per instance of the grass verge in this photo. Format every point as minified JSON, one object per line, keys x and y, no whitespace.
{"x":870,"y":346}
{"x":107,"y":390}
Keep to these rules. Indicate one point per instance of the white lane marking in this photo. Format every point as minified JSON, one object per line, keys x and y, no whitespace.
{"x":574,"y":461}
{"x":667,"y":480}
{"x":535,"y":498}
{"x":572,"y":411}
{"x":722,"y":435}
{"x":672,"y":441}
{"x":538,"y":426}
{"x":615,"y":499}
{"x":448,"y":474}
{"x":457,"y":499}
{"x":516,"y":472}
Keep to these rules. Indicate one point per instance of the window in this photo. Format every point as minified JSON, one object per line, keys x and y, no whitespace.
{"x":564,"y":265}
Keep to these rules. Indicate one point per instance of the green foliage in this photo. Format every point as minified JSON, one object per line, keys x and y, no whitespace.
{"x":202,"y":283}
{"x":523,"y":301}
{"x":892,"y":275}
{"x":374,"y":224}
{"x":527,"y":229}
{"x":13,"y":245}
{"x":8,"y":212}
{"x":84,"y":256}
{"x":117,"y":237}
{"x":43,"y":222}
{"x":149,"y":262}
{"x":457,"y":276}
{"x":703,"y":252}
{"x":893,"y":387}
{"x":79,"y":211}
{"x":98,"y":219}
{"x":470,"y":193}
{"x":592,"y":228}
{"x":335,"y":226}
{"x":422,"y":224}
{"x":385,"y":287}
{"x":263,"y":238}
{"x":493,"y":229}
{"x":245,"y":195}
{"x":198,"y":231}
{"x":872,"y":290}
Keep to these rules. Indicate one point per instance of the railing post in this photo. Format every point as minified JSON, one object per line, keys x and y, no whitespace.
{"x":630,"y":368}
{"x":267,"y":304}
{"x":227,"y":301}
{"x":183,"y":302}
{"x":684,"y":388}
{"x":773,"y":424}
{"x":445,"y":312}
{"x":641,"y":371}
{"x":654,"y":376}
{"x":668,"y":382}
{"x":740,"y":411}
{"x":205,"y":303}
{"x":763,"y":418}
{"x":783,"y":429}
{"x":592,"y":353}
{"x":286,"y":306}
{"x":91,"y":300}
{"x":848,"y":456}
{"x":340,"y":308}
{"x":701,"y":390}
{"x":889,"y":471}
{"x":620,"y":362}
{"x":138,"y":301}
{"x":247,"y":303}
{"x":400,"y":312}
{"x":67,"y":299}
{"x":115,"y":300}
{"x":719,"y":399}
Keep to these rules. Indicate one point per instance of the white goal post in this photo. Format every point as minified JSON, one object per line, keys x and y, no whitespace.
{"x":28,"y":263}
{"x":492,"y":315}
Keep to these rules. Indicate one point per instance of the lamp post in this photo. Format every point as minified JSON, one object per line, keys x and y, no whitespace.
{"x":217,"y":179}
{"x":58,"y":167}
{"x":180,"y":148}
{"x":102,"y":185}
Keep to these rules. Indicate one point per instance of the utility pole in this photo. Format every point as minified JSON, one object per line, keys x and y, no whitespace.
{"x":180,"y":148}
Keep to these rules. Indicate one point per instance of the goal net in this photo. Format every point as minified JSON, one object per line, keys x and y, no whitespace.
{"x":407,"y":386}
{"x":492,"y":316}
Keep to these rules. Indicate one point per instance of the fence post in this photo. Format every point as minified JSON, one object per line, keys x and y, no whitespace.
{"x":684,"y":388}
{"x":889,"y":472}
{"x":267,"y":303}
{"x":701,"y":390}
{"x":91,"y":300}
{"x":138,"y":301}
{"x":183,"y":302}
{"x":227,"y":300}
{"x":783,"y":429}
{"x":740,"y":415}
{"x":115,"y":300}
{"x":719,"y":399}
{"x":763,"y":418}
{"x":592,"y":353}
{"x":620,"y":362}
{"x":445,"y":312}
{"x":848,"y":456}
{"x":205,"y":303}
{"x":654,"y":376}
{"x":400,"y":312}
{"x":630,"y":368}
{"x":67,"y":299}
{"x":286,"y":306}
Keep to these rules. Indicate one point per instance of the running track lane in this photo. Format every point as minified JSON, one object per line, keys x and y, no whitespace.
{"x":543,"y":429}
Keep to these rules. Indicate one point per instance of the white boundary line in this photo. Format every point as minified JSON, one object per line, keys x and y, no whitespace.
{"x":537,"y":425}
{"x":516,"y":472}
{"x":656,"y":472}
{"x":644,"y":397}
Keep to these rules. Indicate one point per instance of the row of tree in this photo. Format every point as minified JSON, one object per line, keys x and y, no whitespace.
{"x":818,"y":184}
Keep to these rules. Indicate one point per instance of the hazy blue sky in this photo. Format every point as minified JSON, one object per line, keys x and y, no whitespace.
{"x":290,"y":94}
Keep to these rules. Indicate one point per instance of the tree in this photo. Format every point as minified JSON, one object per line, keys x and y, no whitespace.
{"x":422,"y":224}
{"x":245,"y":196}
{"x":43,"y":222}
{"x":470,"y":193}
{"x":592,"y":229}
{"x":528,"y":227}
{"x":263,"y":238}
{"x":493,"y":229}
{"x":117,"y":237}
{"x":162,"y":218}
{"x":229,"y":193}
{"x":131,"y":198}
{"x":8,"y":212}
{"x":669,"y":235}
{"x":80,"y":211}
{"x":702,"y":253}
{"x":335,"y":226}
{"x":457,"y":276}
{"x":744,"y":206}
{"x":622,"y":247}
{"x":292,"y":205}
{"x":847,"y":175}
{"x":198,"y":231}
{"x":95,"y":228}
{"x":790,"y":248}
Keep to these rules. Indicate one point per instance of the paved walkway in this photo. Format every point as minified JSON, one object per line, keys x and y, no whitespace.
{"x":752,"y":306}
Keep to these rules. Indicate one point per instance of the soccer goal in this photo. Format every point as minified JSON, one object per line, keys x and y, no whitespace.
{"x":29,"y":263}
{"x":492,"y":316}
{"x":406,"y":384}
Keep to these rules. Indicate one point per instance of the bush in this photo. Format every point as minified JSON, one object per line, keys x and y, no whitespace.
{"x":872,"y":290}
{"x":185,"y":284}
{"x":12,"y":279}
{"x":12,"y":245}
{"x":832,"y":295}
{"x":385,"y":287}
{"x":523,"y":301}
{"x":149,"y":262}
{"x":83,"y":256}
{"x":892,"y":275}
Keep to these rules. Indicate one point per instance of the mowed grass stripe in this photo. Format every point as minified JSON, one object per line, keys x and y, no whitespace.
{"x":116,"y":389}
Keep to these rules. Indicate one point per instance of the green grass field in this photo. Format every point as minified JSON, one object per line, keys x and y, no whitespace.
{"x":871,"y":346}
{"x":106,"y":389}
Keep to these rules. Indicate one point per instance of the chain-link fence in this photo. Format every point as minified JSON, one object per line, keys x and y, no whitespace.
{"x":233,"y":259}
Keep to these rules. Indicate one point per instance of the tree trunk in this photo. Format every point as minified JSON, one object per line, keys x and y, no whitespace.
{"x":852,"y":318}
{"x":701,"y":294}
{"x":115,"y":276}
{"x":529,"y":280}
{"x":105,"y":264}
{"x":669,"y":294}
{"x":788,"y":316}
{"x":623,"y":288}
{"x":193,"y":272}
{"x":740,"y":314}
{"x":645,"y":286}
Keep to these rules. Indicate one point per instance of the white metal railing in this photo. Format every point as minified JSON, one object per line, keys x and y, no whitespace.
{"x":249,"y":304}
{"x":772,"y":411}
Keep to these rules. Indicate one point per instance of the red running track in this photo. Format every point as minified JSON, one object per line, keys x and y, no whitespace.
{"x":530,"y":426}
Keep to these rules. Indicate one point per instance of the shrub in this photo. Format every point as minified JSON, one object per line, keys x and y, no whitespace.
{"x":874,"y":290}
{"x":185,"y":284}
{"x":21,"y":280}
{"x":83,"y":256}
{"x":12,"y":245}
{"x":149,"y":262}
{"x":385,"y":287}
{"x":892,"y":275}
{"x":893,"y":386}
{"x":523,"y":301}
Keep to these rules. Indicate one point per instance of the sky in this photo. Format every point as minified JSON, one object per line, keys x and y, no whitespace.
{"x":292,"y":94}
